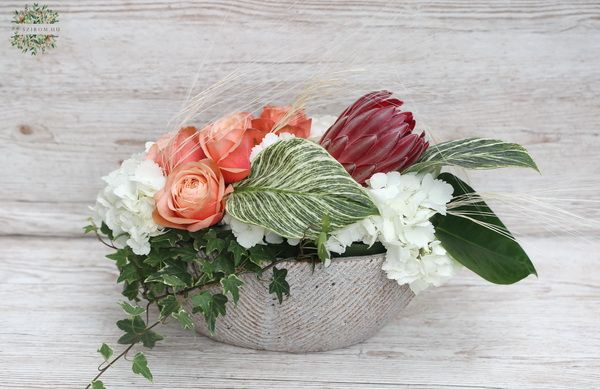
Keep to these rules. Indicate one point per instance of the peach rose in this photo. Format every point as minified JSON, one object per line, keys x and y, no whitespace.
{"x":193,"y":197}
{"x":172,"y":150}
{"x":297,"y":124}
{"x":228,"y":142}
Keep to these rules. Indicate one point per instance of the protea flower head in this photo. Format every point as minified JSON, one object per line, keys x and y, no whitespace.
{"x":373,"y":135}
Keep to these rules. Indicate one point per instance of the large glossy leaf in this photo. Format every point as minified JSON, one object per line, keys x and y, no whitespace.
{"x":482,"y":244}
{"x":292,"y":186}
{"x":474,"y":153}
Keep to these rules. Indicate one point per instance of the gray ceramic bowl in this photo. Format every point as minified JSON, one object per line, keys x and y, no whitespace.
{"x":332,"y":307}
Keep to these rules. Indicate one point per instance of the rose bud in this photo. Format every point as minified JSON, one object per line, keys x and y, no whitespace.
{"x":271,"y":118}
{"x":228,"y":142}
{"x":172,"y":150}
{"x":193,"y":197}
{"x":373,"y":135}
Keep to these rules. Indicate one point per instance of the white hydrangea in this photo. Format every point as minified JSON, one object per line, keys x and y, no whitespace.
{"x":406,"y":202}
{"x":249,"y":235}
{"x":269,"y":140}
{"x":126,"y":204}
{"x":319,"y":125}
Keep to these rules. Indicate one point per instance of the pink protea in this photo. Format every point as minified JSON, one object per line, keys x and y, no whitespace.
{"x":373,"y":135}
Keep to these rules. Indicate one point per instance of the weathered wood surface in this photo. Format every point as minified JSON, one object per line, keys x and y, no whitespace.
{"x":525,"y":71}
{"x":58,"y":301}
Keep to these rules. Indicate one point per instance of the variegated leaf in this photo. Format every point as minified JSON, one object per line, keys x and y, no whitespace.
{"x":474,"y":153}
{"x":292,"y":186}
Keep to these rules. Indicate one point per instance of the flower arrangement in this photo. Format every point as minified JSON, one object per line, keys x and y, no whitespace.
{"x":201,"y":206}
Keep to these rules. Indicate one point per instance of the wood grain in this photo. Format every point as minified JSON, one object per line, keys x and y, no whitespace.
{"x":58,"y":306}
{"x":524,"y":71}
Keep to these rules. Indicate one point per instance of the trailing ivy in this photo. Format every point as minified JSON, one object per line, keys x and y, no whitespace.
{"x":188,"y":269}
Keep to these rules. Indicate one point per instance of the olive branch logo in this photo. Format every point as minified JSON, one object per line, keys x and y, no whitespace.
{"x":30,"y":38}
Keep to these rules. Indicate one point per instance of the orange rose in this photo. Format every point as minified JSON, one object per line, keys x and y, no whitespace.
{"x":193,"y":197}
{"x":228,"y":142}
{"x":297,"y":124}
{"x":172,"y":150}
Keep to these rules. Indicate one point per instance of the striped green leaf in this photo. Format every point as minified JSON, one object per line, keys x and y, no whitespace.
{"x":474,"y":153}
{"x":293,"y":185}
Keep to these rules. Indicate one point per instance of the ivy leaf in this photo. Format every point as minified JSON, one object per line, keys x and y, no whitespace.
{"x":128,"y":273}
{"x":174,"y":274}
{"x":140,"y":366}
{"x":224,"y":264}
{"x":119,"y":256}
{"x":106,"y":231}
{"x":173,"y":280}
{"x":130,"y":309}
{"x":149,"y":338}
{"x":186,"y":254}
{"x":215,"y":244}
{"x":293,"y":208}
{"x":490,"y":252}
{"x":134,"y":325}
{"x":260,"y":254}
{"x":184,"y":319}
{"x":89,"y":228}
{"x":237,"y":250}
{"x":136,"y":331}
{"x":168,"y":305}
{"x":131,"y":290}
{"x":105,"y":351}
{"x":168,"y":239}
{"x":211,"y":306}
{"x":231,"y":284}
{"x":98,"y":385}
{"x":279,"y":285}
{"x":474,"y":153}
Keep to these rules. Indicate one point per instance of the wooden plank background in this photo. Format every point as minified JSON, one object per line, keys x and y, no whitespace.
{"x":524,"y":71}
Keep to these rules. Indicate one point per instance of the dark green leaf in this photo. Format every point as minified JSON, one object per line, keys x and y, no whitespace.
{"x":105,"y":351}
{"x":215,"y":244}
{"x":187,"y":254}
{"x":136,"y":331}
{"x":140,"y":366}
{"x":168,"y":239}
{"x":231,"y":285}
{"x":278,"y":284}
{"x":260,"y":254}
{"x":120,"y":257}
{"x":211,"y":306}
{"x":494,"y":255}
{"x":134,"y":325}
{"x":131,"y":290}
{"x":128,"y":273}
{"x":130,"y":309}
{"x":237,"y":251}
{"x":224,"y":264}
{"x":149,"y":338}
{"x":168,"y":305}
{"x":106,"y":231}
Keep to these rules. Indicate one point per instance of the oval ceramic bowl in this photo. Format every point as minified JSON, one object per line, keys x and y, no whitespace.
{"x":329,"y":307}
